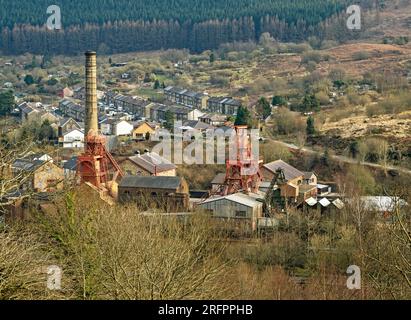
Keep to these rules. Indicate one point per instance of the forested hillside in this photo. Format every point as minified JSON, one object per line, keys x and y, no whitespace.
{"x":124,"y":25}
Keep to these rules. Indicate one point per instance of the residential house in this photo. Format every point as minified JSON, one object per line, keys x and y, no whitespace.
{"x":223,"y":105}
{"x":28,"y":113}
{"x":73,"y":139}
{"x":142,"y":129}
{"x":158,"y":113}
{"x":68,"y":124}
{"x":148,"y":164}
{"x":72,"y":110}
{"x":186,"y":97}
{"x":213,"y":119}
{"x":66,"y":93}
{"x":135,"y":106}
{"x":116,"y":127}
{"x":168,"y":193}
{"x":79,"y":93}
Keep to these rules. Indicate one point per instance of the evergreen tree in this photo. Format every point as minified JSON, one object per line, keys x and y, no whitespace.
{"x":310,"y":103}
{"x":212,"y":58}
{"x":7,"y":102}
{"x":279,"y":101}
{"x":156,"y":85}
{"x":243,"y":117}
{"x":310,"y":126}
{"x":29,"y":80}
{"x":169,"y":120}
{"x":193,"y":24}
{"x":263,"y":107}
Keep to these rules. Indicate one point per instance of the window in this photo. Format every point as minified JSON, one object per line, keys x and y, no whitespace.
{"x":241,"y":214}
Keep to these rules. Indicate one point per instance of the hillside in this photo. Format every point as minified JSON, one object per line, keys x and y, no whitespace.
{"x":126,"y":26}
{"x":93,"y":11}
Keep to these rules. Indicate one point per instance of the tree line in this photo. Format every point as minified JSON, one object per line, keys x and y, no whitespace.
{"x":182,"y":26}
{"x":129,"y":36}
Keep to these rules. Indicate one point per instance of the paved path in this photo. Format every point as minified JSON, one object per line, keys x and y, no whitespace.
{"x":340,"y":158}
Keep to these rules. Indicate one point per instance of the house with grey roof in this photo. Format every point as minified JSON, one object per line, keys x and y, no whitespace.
{"x":223,"y":105}
{"x":186,"y":97}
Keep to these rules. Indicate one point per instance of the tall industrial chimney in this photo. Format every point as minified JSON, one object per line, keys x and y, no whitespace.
{"x":91,"y":124}
{"x":96,"y":165}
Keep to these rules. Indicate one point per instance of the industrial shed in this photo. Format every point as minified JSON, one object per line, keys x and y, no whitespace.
{"x":240,"y":207}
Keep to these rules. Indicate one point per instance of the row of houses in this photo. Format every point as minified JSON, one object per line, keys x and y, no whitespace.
{"x":31,"y":112}
{"x":70,"y":109}
{"x":202,"y":101}
{"x":186,"y":97}
{"x":133,"y":105}
{"x":158,"y":112}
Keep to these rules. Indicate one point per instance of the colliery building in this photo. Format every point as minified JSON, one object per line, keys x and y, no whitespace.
{"x":148,"y":164}
{"x":169,"y":193}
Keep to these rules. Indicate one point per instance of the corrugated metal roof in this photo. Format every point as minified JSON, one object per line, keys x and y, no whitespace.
{"x":382,"y":203}
{"x":241,"y":198}
{"x":153,"y":163}
{"x":324,"y":202}
{"x":338,"y":203}
{"x":311,"y":202}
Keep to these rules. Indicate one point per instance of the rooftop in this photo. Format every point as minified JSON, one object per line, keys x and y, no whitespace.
{"x":150,"y":182}
{"x":153,"y":163}
{"x":290,"y":172}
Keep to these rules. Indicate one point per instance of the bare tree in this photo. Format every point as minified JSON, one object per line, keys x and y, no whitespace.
{"x":22,"y":265}
{"x":11,"y":181}
{"x":117,"y":253}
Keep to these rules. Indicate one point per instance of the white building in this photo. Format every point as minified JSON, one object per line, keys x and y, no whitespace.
{"x":114,"y":127}
{"x":122,"y":128}
{"x":195,"y":115}
{"x":73,"y":139}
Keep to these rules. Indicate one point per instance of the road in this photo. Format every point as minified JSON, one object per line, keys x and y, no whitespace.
{"x":340,"y":158}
